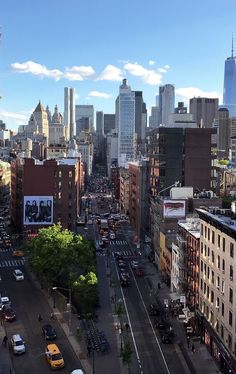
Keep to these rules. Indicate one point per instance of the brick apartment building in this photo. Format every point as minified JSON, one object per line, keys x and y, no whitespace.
{"x":56,"y":183}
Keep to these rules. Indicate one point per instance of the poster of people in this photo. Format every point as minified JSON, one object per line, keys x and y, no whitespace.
{"x":38,"y":210}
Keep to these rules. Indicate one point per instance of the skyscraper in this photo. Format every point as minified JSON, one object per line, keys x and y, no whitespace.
{"x":84,"y":111}
{"x":229,"y":94}
{"x":125,"y":116}
{"x":166,"y":102}
{"x":69,"y":111}
{"x":204,"y":110}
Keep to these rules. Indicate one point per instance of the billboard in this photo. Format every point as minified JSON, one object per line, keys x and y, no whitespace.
{"x":38,"y":210}
{"x":174,"y":208}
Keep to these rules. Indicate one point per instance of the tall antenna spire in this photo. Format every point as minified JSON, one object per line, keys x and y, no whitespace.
{"x":232,"y":50}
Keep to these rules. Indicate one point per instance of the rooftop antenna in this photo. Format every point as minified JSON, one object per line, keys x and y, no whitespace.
{"x":232,"y":50}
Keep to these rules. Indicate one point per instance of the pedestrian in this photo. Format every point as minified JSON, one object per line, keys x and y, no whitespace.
{"x":188,"y":341}
{"x":40,"y":318}
{"x":193,"y":348}
{"x":52,"y":316}
{"x":4,"y":341}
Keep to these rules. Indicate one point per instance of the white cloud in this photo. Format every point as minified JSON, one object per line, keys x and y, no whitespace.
{"x":20,"y":118}
{"x":111,"y":73}
{"x":167,"y":67}
{"x":148,"y":76}
{"x":102,"y":95}
{"x":186,"y":93}
{"x":162,"y":70}
{"x":151,"y":62}
{"x":36,"y":69}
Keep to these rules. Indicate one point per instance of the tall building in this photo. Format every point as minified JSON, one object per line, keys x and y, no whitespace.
{"x":223,"y":131}
{"x":229,"y":94}
{"x":154,"y":118}
{"x":166,"y":102}
{"x":109,"y":123}
{"x":204,"y":110}
{"x":125,"y":115}
{"x":84,"y":111}
{"x":69,"y":111}
{"x":99,"y":124}
{"x":56,"y":128}
{"x":140,"y":116}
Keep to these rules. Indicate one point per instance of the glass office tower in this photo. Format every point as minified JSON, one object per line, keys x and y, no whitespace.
{"x":229,"y":96}
{"x":125,"y":113}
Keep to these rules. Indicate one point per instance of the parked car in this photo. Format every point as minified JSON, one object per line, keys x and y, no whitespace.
{"x":112,"y":236}
{"x":54,"y":356}
{"x":153,"y":310}
{"x":19,"y":276}
{"x":8,"y":313}
{"x":4,"y":301}
{"x":17,"y":344}
{"x":49,"y":332}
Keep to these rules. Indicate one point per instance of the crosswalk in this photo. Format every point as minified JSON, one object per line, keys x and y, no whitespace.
{"x":12,"y":263}
{"x":115,"y":242}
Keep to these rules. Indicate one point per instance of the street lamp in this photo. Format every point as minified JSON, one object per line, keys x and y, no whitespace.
{"x":69,"y":290}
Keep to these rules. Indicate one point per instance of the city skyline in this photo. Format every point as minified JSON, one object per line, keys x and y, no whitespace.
{"x":92,"y":47}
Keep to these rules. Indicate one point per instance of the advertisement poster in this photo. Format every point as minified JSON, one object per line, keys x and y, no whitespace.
{"x":38,"y":210}
{"x":174,"y":208}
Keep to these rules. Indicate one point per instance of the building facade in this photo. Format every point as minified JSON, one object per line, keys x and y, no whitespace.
{"x":217,"y":322}
{"x":204,"y":110}
{"x":54,"y":183}
{"x":229,"y":93}
{"x":166,"y":102}
{"x":69,"y":111}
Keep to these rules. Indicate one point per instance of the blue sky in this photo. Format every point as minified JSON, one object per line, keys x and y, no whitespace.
{"x":92,"y":44}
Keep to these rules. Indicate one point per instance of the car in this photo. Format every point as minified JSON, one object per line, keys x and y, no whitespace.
{"x":8,"y":313}
{"x":17,"y":344}
{"x":112,"y":236}
{"x":153,"y":310}
{"x":166,"y":338}
{"x":19,"y":276}
{"x":138,"y":272}
{"x":90,"y":222}
{"x":77,"y":371}
{"x":54,"y":356}
{"x":4,"y":301}
{"x":121,"y":264}
{"x":49,"y":332}
{"x":124,"y":282}
{"x":161,"y":325}
{"x":18,"y":253}
{"x":134,"y":264}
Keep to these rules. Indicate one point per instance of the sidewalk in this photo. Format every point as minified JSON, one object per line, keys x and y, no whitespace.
{"x":5,"y":358}
{"x":199,"y":362}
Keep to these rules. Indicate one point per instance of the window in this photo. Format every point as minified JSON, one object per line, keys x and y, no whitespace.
{"x":205,"y":250}
{"x":230,"y":318}
{"x":231,"y":250}
{"x":217,"y":302}
{"x":201,"y":248}
{"x":212,"y":297}
{"x":218,"y":262}
{"x":208,"y":272}
{"x":208,"y":234}
{"x":223,"y":265}
{"x":204,"y":288}
{"x":201,"y":229}
{"x":59,"y":195}
{"x":218,"y":241}
{"x":212,"y":277}
{"x":222,"y":309}
{"x":218,"y":282}
{"x":213,"y":237}
{"x":231,"y":295}
{"x":70,"y":184}
{"x":223,"y":287}
{"x":231,"y":273}
{"x":59,"y":174}
{"x":223,"y":244}
{"x":59,"y":185}
{"x":212,"y":257}
{"x":201,"y":284}
{"x":230,"y":341}
{"x":208,"y":252}
{"x":70,"y":174}
{"x":205,"y":232}
{"x":208,"y":292}
{"x":201,"y":266}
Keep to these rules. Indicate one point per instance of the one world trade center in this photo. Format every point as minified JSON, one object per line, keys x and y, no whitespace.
{"x":229,"y":95}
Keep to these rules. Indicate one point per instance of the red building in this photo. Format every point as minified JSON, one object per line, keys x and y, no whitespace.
{"x":45,"y":192}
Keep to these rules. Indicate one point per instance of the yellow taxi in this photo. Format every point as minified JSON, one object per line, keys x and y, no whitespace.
{"x":18,"y":253}
{"x":54,"y":356}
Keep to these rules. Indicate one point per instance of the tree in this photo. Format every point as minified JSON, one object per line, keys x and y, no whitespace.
{"x":126,"y":354}
{"x":61,"y":258}
{"x":85,"y":293}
